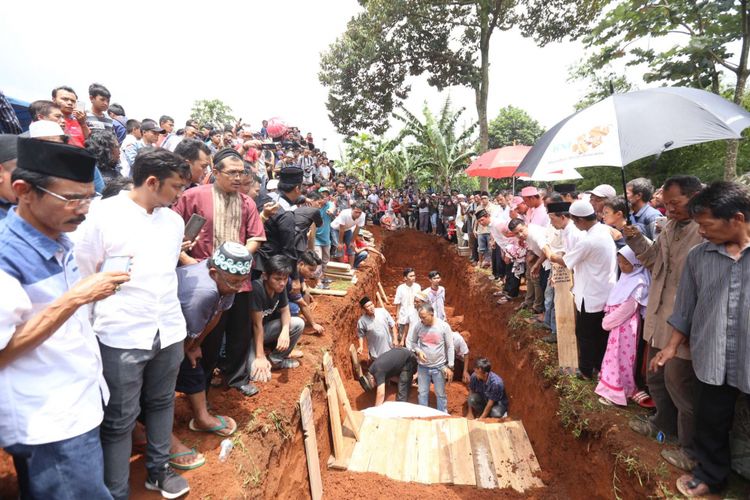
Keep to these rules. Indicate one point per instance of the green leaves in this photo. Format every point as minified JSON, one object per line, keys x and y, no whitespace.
{"x":212,"y":111}
{"x":513,"y":126}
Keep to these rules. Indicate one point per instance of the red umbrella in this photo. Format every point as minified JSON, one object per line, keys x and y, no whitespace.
{"x":276,"y":127}
{"x":498,"y":163}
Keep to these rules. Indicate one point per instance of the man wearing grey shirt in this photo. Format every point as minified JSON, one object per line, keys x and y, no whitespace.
{"x":710,"y":313}
{"x":432,"y":342}
{"x":377,"y":325}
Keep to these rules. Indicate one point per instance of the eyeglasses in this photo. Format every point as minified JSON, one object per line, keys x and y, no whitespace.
{"x":232,"y":285}
{"x":69,"y":203}
{"x":233,"y":173}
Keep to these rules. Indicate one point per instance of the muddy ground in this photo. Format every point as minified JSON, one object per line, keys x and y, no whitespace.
{"x":585,"y":451}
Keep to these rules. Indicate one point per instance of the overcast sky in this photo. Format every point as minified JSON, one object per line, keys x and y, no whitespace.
{"x":261,"y":58}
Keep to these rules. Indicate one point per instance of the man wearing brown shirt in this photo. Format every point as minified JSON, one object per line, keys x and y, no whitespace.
{"x":671,"y":387}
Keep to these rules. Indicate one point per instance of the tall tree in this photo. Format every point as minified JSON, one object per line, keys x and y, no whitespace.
{"x":212,"y":111}
{"x":705,"y":33}
{"x":366,"y":68}
{"x":513,"y":126}
{"x":441,"y":148}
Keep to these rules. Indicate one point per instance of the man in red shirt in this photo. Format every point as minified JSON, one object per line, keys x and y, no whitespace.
{"x":75,"y":119}
{"x":230,"y":216}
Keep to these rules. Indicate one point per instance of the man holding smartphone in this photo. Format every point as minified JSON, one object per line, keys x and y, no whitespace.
{"x":141,"y":329}
{"x":50,"y":368}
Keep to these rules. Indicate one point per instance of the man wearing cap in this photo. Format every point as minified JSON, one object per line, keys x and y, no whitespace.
{"x":50,"y":368}
{"x":230,"y":216}
{"x":141,"y":329}
{"x":599,"y":195}
{"x":593,"y":261}
{"x":567,"y":191}
{"x":537,"y":212}
{"x":206,"y":290}
{"x":8,"y":156}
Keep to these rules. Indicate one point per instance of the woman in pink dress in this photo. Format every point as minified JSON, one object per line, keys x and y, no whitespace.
{"x":621,"y":316}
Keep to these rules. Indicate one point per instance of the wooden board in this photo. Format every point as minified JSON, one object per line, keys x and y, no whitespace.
{"x":344,"y":399}
{"x":443,"y":431}
{"x":385,"y":297}
{"x":565,"y":319}
{"x":311,"y":444}
{"x":409,"y":470}
{"x":364,"y":448}
{"x":336,"y":432}
{"x":383,"y":453}
{"x":428,"y":462}
{"x":328,"y":370}
{"x":356,"y":366}
{"x":380,"y":300}
{"x":349,"y":440}
{"x":461,"y":456}
{"x":503,"y":457}
{"x":334,"y":293}
{"x":482,"y":454}
{"x":338,"y":265}
{"x":527,"y":465}
{"x":394,"y":469}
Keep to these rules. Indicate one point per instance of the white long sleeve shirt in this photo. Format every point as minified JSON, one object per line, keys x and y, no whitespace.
{"x":148,"y":303}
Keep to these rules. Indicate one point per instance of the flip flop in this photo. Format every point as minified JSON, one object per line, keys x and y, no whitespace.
{"x":197,"y":462}
{"x":605,"y":401}
{"x":688,"y":484}
{"x":226,"y":428}
{"x":642,"y":399}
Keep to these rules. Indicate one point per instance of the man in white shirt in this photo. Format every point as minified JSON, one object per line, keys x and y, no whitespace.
{"x":51,"y":384}
{"x":345,"y":228}
{"x":537,"y":273}
{"x":404,"y":302}
{"x":593,"y":260}
{"x":141,"y":329}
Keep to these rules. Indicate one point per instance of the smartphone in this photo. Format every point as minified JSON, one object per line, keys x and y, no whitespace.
{"x":116,"y":263}
{"x":194,"y":226}
{"x":81,"y":106}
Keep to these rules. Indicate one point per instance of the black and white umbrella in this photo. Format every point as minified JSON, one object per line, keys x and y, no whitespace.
{"x":626,"y":127}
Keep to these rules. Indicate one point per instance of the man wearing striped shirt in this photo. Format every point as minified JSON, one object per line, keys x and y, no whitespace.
{"x":710,"y":313}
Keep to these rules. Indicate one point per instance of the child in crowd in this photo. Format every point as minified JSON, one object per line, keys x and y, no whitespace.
{"x":436,"y":294}
{"x":404,"y":302}
{"x":622,"y":313}
{"x":450,"y":230}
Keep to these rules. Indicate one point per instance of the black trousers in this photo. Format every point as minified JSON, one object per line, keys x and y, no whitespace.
{"x":498,"y":264}
{"x":236,"y":328}
{"x":543,"y":280}
{"x":478,"y":402}
{"x":714,"y":414}
{"x":405,"y":380}
{"x":592,"y":340}
{"x":512,"y":282}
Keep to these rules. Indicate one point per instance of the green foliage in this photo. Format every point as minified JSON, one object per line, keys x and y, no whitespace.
{"x":367,"y":67}
{"x":212,"y":111}
{"x":513,"y":126}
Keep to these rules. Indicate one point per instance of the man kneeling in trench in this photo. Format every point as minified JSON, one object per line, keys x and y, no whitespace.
{"x":487,"y":396}
{"x":397,"y":362}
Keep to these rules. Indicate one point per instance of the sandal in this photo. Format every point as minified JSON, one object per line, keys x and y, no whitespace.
{"x":501,"y":301}
{"x":605,"y":401}
{"x":642,"y":399}
{"x":692,"y":487}
{"x":194,"y":464}
{"x":227,"y":426}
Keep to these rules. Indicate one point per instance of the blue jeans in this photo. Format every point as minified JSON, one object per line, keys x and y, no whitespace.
{"x":360,"y":258}
{"x":483,"y":241}
{"x":549,"y":309}
{"x":347,"y":241}
{"x":64,"y":470}
{"x":437,"y":377}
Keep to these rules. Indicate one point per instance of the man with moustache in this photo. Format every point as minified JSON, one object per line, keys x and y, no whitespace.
{"x":141,"y":329}
{"x":51,"y":385}
{"x":75,"y":119}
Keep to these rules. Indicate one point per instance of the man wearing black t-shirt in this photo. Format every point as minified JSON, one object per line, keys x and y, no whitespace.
{"x":273,"y":326}
{"x":399,"y":362}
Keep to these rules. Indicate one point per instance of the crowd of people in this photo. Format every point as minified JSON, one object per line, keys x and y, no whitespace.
{"x":139,"y":260}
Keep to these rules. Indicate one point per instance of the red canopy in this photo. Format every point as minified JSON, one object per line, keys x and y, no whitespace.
{"x":498,"y":163}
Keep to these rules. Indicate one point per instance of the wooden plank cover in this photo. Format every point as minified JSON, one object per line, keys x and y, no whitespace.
{"x":527,"y":466}
{"x":383,"y":453}
{"x":463,"y":463}
{"x":428,"y":459}
{"x":503,"y":457}
{"x":409,"y":470}
{"x":567,"y":349}
{"x":344,"y":398}
{"x":311,"y":444}
{"x":335,"y":417}
{"x":335,"y":293}
{"x":482,"y":454}
{"x":339,"y":265}
{"x":395,"y":467}
{"x":364,"y":448}
{"x":443,"y":431}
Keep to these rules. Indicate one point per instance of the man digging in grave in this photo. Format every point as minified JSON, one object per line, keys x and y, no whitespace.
{"x":397,"y":362}
{"x":487,"y":396}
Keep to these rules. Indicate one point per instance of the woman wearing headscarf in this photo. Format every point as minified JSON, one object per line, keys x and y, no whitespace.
{"x":622,"y":313}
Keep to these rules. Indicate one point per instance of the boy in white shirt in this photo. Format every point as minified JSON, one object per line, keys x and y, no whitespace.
{"x":404,"y":300}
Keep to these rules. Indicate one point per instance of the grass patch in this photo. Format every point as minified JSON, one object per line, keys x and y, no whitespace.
{"x":280,"y":423}
{"x":340,"y":285}
{"x":577,"y":397}
{"x":632,"y":464}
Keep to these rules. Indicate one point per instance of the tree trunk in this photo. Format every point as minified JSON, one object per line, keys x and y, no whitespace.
{"x":730,"y":160}
{"x":482,"y":89}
